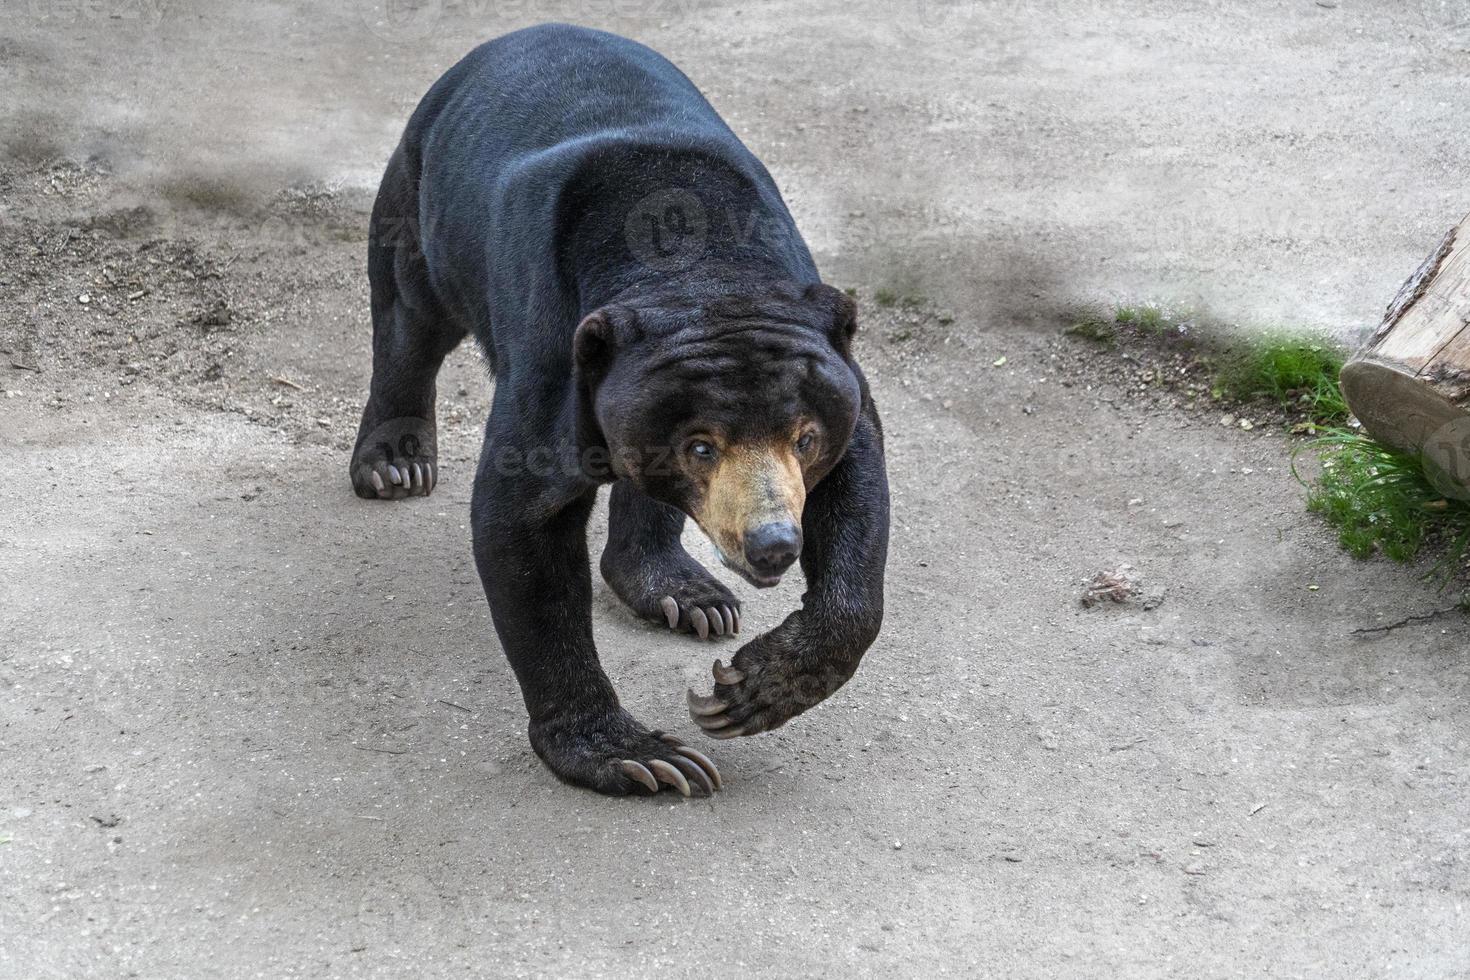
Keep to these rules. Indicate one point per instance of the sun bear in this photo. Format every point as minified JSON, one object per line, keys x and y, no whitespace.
{"x":654,"y":321}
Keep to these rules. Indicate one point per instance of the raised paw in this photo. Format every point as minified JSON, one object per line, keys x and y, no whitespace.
{"x":614,"y":754}
{"x":396,"y":460}
{"x":764,"y":688}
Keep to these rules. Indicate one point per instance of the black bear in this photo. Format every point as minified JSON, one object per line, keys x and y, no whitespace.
{"x":655,"y":321}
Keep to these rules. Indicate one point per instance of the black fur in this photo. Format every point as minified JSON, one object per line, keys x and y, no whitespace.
{"x":560,"y":176}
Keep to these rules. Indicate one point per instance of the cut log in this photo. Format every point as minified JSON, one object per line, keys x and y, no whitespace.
{"x":1412,"y":377}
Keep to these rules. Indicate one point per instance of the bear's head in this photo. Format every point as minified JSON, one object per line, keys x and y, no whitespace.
{"x":730,"y":408}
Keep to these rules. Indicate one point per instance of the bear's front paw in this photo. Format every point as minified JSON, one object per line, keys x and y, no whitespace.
{"x":614,"y":754}
{"x":768,"y":683}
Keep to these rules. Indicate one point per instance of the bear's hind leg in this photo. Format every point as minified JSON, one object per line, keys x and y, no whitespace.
{"x":650,"y":571}
{"x":397,"y":454}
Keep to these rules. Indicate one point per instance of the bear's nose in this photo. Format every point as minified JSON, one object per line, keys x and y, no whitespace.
{"x":771,"y":548}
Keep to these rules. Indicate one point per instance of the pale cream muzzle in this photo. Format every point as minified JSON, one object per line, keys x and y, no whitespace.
{"x":755,"y":497}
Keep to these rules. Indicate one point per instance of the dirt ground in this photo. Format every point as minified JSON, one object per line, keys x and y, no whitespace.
{"x":251,"y":726}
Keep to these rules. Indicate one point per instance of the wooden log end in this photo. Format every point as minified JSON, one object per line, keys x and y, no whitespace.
{"x":1395,"y":406}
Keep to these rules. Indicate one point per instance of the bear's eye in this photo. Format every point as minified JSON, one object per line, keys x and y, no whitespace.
{"x":701,"y":450}
{"x":805,"y":442}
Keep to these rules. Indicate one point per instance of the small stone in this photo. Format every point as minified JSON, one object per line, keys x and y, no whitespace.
{"x":898,"y":845}
{"x":84,"y":298}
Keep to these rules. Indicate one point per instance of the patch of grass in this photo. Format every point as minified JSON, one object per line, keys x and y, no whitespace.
{"x":1379,"y":500}
{"x":1149,"y":319}
{"x":1106,"y":325}
{"x":891,"y":296}
{"x":1095,"y":326}
{"x":1297,"y":371}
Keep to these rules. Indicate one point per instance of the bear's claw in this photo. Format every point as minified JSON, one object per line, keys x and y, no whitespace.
{"x":719,"y":620}
{"x":385,"y":481}
{"x":771,"y":680}
{"x":705,"y":769}
{"x":726,"y":675}
{"x":668,"y":774}
{"x":690,"y":766}
{"x":640,"y":773}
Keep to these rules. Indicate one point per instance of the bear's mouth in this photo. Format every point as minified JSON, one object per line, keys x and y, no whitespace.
{"x":759,"y":581}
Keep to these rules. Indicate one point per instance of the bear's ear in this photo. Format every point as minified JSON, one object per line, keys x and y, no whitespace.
{"x":841,"y":312}
{"x":598,"y":338}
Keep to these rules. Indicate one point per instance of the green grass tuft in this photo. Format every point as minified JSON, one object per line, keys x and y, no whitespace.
{"x":1148,"y":319}
{"x":1379,"y":500}
{"x":891,"y":296}
{"x":1096,"y":326}
{"x":1297,"y":371}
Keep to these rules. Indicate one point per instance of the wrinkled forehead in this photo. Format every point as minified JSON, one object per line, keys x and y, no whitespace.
{"x":749,"y":379}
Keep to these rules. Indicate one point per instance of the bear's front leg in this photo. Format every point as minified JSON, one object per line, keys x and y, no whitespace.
{"x":531,"y":550}
{"x":816,"y":649}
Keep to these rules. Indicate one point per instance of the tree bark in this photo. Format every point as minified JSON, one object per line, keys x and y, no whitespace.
{"x":1412,"y":377}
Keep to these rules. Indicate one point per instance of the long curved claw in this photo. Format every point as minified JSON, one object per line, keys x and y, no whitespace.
{"x":699,"y":705}
{"x":639,"y":772}
{"x":668,"y":774}
{"x":704,"y":763}
{"x":716,"y":621}
{"x":695,"y":775}
{"x":671,"y":611}
{"x":727,"y":675}
{"x":712,"y":722}
{"x":700,"y":621}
